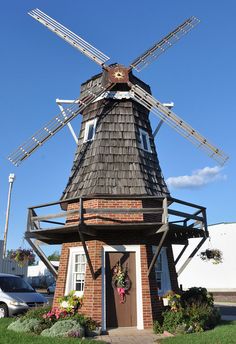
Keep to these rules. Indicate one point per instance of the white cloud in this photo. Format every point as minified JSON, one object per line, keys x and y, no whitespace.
{"x":197,"y":179}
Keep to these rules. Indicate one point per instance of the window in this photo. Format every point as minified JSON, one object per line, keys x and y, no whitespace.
{"x":158,"y":271}
{"x":79,"y":268}
{"x":90,"y":128}
{"x":162,"y":271}
{"x":76,"y":271}
{"x":145,"y":142}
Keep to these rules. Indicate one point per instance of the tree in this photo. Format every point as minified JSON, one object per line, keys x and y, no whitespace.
{"x":54,"y":256}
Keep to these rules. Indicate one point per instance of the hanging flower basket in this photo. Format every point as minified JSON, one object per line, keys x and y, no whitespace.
{"x":213,"y":255}
{"x":22,"y":256}
{"x":121,"y":281}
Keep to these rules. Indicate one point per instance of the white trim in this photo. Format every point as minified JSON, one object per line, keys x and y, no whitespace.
{"x":144,"y":132}
{"x":86,"y":131}
{"x":69,"y":275}
{"x":139,"y":299}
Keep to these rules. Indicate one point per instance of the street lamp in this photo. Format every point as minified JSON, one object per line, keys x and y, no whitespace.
{"x":10,"y":180}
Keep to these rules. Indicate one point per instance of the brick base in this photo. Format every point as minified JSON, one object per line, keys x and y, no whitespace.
{"x":92,"y":304}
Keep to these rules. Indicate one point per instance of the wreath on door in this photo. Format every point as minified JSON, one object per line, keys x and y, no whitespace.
{"x":121,"y":281}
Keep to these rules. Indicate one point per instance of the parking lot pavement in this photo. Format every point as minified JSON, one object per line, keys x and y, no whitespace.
{"x":227,"y":310}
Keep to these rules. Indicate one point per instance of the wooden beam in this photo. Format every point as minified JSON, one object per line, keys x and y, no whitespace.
{"x":186,"y":215}
{"x":87,"y":254}
{"x":159,"y":247}
{"x":186,"y":203}
{"x":190,"y":257}
{"x":181,"y":253}
{"x":123,"y":210}
{"x":81,"y":216}
{"x":165,"y":227}
{"x":43,"y":257}
{"x":55,"y":216}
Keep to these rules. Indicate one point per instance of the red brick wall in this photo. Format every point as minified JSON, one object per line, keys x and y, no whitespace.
{"x":92,"y":306}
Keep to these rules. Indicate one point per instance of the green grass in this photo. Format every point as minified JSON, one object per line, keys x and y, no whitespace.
{"x":225,"y":333}
{"x":10,"y":337}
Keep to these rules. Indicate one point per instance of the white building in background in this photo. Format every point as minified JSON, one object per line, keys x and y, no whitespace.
{"x":39,"y":275}
{"x":199,"y":273}
{"x":8,"y":266}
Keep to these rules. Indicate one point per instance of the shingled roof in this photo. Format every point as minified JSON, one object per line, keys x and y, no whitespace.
{"x":114,"y":162}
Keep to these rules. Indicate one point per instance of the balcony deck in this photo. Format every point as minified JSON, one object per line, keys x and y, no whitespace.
{"x":160,"y":221}
{"x":95,"y":223}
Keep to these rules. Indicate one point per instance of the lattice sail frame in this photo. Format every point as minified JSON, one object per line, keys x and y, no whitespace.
{"x":70,"y":37}
{"x":160,"y":47}
{"x":138,"y":94}
{"x":183,"y":128}
{"x":56,"y":124}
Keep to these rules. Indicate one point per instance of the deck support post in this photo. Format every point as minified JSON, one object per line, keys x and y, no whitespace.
{"x":165,"y":232}
{"x":181,"y":253}
{"x":42,"y":256}
{"x":190,"y":257}
{"x":81,"y":220}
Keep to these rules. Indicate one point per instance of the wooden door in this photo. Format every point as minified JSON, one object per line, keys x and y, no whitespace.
{"x":120,"y":314}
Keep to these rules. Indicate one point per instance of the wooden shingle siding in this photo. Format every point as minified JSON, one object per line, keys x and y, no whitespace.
{"x":114,"y":162}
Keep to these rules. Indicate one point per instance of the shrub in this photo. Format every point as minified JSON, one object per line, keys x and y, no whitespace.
{"x":172,"y":319}
{"x":63,"y":328}
{"x":91,"y":326}
{"x":36,"y":313}
{"x":27,"y":325}
{"x":193,"y":311}
{"x":157,"y":328}
{"x":202,"y":317}
{"x":197,"y":295}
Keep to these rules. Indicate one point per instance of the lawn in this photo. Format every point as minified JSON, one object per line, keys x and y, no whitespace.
{"x":10,"y":337}
{"x":225,"y":333}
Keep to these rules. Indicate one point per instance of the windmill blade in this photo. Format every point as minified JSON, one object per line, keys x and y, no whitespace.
{"x":70,"y":37}
{"x":177,"y":123}
{"x":56,"y":124}
{"x":160,"y":47}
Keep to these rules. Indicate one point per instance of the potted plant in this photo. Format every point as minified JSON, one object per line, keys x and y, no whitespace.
{"x":213,"y":255}
{"x":22,"y":256}
{"x":170,"y":298}
{"x":70,"y":302}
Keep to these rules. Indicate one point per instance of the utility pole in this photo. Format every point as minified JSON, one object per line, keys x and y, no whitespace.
{"x":11,"y":180}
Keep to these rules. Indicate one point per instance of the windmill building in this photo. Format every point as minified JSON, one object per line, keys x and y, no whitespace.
{"x":116,"y":207}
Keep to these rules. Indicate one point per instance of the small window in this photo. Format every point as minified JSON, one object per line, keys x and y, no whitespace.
{"x":90,"y":128}
{"x":79,"y":269}
{"x":158,"y":271}
{"x":145,"y":142}
{"x":76,"y":271}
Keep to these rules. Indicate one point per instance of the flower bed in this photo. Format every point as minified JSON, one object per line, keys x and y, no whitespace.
{"x":193,"y":311}
{"x":56,"y":322}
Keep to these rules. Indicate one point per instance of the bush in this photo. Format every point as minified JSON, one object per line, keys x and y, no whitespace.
{"x":63,"y":328}
{"x":86,"y":322}
{"x":36,"y":313}
{"x":172,"y":319}
{"x":27,"y":325}
{"x":192,"y":312}
{"x":197,"y":295}
{"x":202,"y":317}
{"x":157,"y":328}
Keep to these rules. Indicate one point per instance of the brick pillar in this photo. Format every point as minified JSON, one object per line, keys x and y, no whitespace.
{"x":152,"y":305}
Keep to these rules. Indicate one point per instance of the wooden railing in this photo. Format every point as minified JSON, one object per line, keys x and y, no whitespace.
{"x":167,"y":210}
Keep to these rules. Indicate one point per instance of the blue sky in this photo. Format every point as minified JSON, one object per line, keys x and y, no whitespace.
{"x":197,"y":74}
